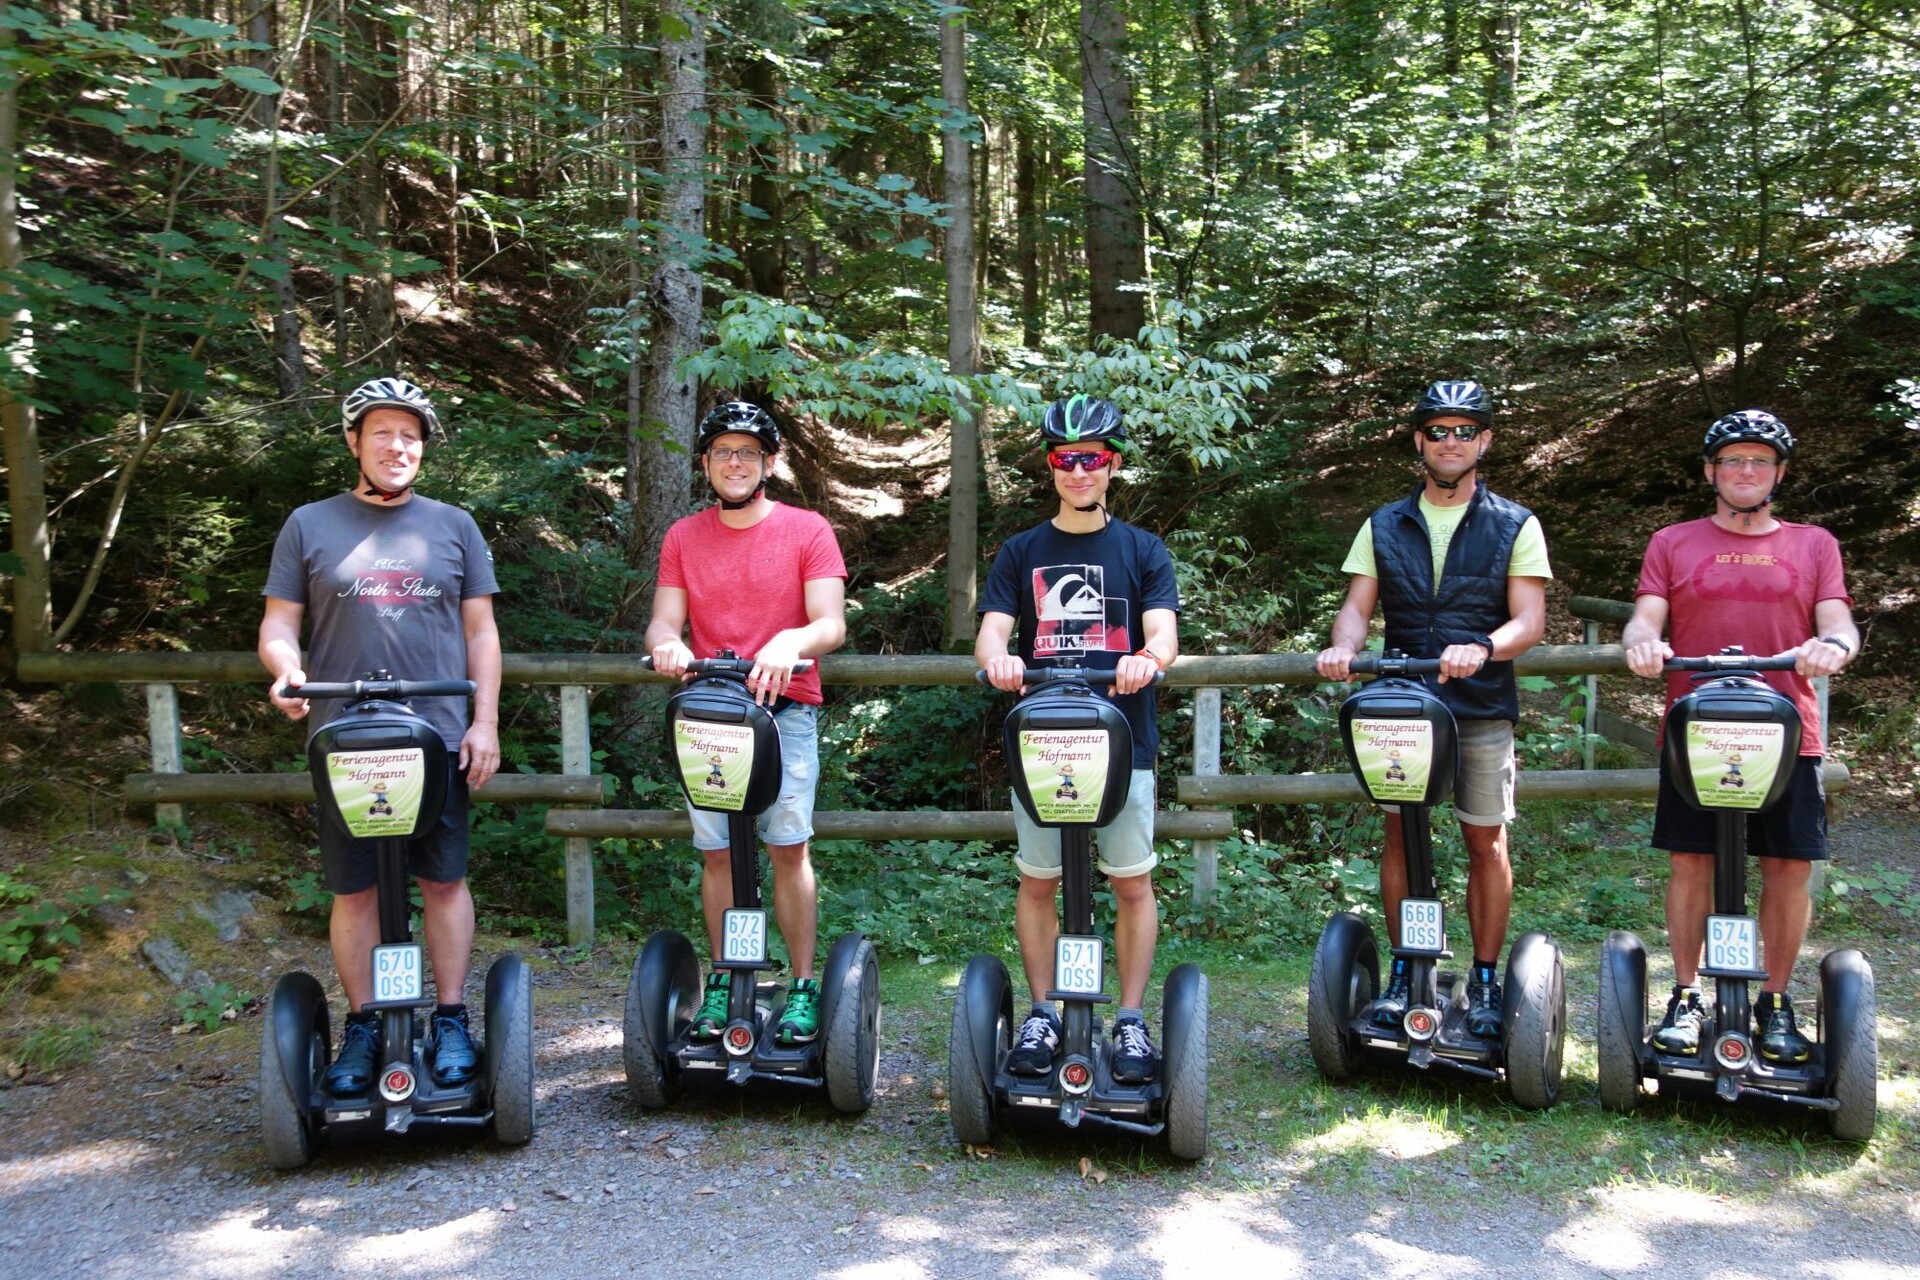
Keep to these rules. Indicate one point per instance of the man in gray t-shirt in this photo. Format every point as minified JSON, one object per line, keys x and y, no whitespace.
{"x":398,"y":582}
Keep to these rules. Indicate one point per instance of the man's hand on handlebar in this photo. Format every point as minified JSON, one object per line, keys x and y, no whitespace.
{"x":1008,"y":673}
{"x":293,"y":708}
{"x":1458,"y":661}
{"x":1649,"y":657}
{"x":1817,"y":657}
{"x":773,"y":668}
{"x":1334,"y":663}
{"x":1134,"y":672}
{"x":671,"y":658}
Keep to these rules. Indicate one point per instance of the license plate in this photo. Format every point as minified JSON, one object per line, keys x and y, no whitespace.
{"x":743,"y":937}
{"x":398,"y":973}
{"x":1423,"y":924}
{"x":1733,"y":942}
{"x":1079,"y":966}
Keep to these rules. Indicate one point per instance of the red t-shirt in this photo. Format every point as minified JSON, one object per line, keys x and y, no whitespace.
{"x":1757,"y":591}
{"x":745,"y":586}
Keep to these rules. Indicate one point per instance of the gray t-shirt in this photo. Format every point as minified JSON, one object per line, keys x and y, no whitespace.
{"x":382,"y":588}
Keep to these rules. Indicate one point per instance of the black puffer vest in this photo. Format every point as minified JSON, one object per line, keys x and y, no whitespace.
{"x":1472,"y":600}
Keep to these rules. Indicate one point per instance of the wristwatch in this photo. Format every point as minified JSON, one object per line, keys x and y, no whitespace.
{"x":1486,"y":642}
{"x":1843,"y":646}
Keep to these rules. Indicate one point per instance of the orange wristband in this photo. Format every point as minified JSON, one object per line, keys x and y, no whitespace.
{"x":1144,"y":652}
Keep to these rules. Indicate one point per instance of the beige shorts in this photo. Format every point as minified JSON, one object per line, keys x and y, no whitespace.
{"x":1483,"y":791}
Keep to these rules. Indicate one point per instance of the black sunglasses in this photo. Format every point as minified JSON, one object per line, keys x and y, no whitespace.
{"x":1466,"y":432}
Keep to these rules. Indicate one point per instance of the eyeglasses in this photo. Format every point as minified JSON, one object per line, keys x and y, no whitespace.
{"x":1088,"y":460}
{"x":748,"y":454}
{"x":1747,"y":464}
{"x":1466,"y":431}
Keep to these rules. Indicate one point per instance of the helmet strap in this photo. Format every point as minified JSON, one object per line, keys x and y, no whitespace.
{"x":1450,"y":486}
{"x":729,"y":505}
{"x":385,"y":495}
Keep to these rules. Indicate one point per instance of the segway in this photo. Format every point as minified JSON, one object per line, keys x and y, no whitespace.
{"x":1403,"y":746}
{"x":1062,"y":722}
{"x":725,"y":749}
{"x":1730,"y":746}
{"x":380,"y":771}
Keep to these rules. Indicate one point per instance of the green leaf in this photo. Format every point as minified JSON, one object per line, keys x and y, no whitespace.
{"x":918,"y":247}
{"x":201,"y":152}
{"x":11,"y":563}
{"x":200,"y":28}
{"x":252,"y":79}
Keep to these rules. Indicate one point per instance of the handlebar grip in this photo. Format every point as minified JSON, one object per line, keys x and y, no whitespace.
{"x":1069,"y":675}
{"x":380,"y":689}
{"x":1375,"y":664}
{"x":727,"y":666}
{"x":1730,"y":662}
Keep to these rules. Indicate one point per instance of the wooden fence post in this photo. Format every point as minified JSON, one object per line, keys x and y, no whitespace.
{"x":163,"y":738}
{"x":576,"y":757}
{"x":1206,"y":764}
{"x":1590,"y":722}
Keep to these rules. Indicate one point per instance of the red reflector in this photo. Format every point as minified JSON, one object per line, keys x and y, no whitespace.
{"x":739,"y":1037}
{"x":1075,"y":1074}
{"x":397,"y":1081}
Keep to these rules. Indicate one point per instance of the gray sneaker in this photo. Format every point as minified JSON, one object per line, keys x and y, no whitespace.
{"x":1679,"y":1031}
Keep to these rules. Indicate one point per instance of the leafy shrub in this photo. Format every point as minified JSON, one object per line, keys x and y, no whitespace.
{"x":35,"y":931}
{"x":208,"y":1006}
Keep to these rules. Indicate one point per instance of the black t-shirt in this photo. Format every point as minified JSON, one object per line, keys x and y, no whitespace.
{"x":1083,"y":596}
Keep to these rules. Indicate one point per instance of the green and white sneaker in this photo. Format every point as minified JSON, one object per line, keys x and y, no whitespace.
{"x":712,"y":1018}
{"x":800,"y":1020}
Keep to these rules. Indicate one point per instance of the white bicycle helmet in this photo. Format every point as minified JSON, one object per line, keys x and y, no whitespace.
{"x":388,"y":393}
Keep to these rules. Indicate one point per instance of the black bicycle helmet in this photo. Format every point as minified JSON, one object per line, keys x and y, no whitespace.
{"x":1458,"y":398}
{"x":388,"y":393}
{"x":738,"y":415}
{"x":1749,"y":424}
{"x":1083,"y":420}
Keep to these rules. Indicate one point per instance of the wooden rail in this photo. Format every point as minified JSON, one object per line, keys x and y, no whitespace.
{"x":1529,"y":785}
{"x":297,"y":788}
{"x":916,"y":824}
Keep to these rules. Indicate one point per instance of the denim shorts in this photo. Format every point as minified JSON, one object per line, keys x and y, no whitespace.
{"x":1125,"y":844}
{"x":789,"y":820}
{"x":1483,"y":789}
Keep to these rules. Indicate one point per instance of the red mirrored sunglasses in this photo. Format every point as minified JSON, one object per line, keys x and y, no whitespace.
{"x":1087,"y":460}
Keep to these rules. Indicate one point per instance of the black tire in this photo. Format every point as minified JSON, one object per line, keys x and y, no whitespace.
{"x":286,"y":1129}
{"x":1346,"y":974}
{"x":510,"y":1047}
{"x":1852,"y":1044}
{"x":853,"y":1036}
{"x":1536,"y":1023}
{"x":1184,"y":1022}
{"x":985,"y":993}
{"x":663,"y":994}
{"x":1621,"y":1021}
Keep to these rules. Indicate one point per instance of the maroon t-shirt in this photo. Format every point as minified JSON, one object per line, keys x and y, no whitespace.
{"x":1757,"y":591}
{"x":745,"y":586}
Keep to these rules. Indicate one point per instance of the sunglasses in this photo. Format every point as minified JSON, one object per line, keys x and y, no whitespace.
{"x":1088,"y":460}
{"x":1464,"y":432}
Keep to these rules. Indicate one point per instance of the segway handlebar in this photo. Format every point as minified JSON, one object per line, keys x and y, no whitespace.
{"x":394,"y":690}
{"x":1066,"y":675}
{"x":1731,"y":662}
{"x":727,"y":666}
{"x":1380,"y":664}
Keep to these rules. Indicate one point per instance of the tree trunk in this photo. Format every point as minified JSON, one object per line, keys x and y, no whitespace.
{"x":289,"y":357}
{"x":1116,"y":244}
{"x":766,"y":239}
{"x":26,"y":483}
{"x":372,"y":106}
{"x":674,"y":295}
{"x":1026,"y":205}
{"x":963,"y":508}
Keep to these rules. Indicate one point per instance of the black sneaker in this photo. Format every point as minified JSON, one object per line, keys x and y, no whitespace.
{"x":1780,"y":1039}
{"x":450,"y":1052}
{"x":352,"y":1070}
{"x":1679,"y":1031}
{"x":1135,"y":1060}
{"x":1035,"y":1045}
{"x":1484,"y":1009}
{"x":1392,"y":1003}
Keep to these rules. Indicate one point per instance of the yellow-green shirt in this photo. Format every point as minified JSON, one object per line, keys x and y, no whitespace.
{"x":1529,"y":558}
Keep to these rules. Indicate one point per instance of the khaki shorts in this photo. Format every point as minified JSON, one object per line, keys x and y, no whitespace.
{"x":1483,"y":790}
{"x":1125,"y":844}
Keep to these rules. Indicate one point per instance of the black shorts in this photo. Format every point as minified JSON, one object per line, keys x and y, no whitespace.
{"x":1796,"y":826}
{"x":439,"y":856}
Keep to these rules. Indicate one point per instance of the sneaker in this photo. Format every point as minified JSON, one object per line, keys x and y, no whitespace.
{"x":450,"y":1053}
{"x":1780,"y":1039}
{"x":800,"y":1020}
{"x":707,"y":1023}
{"x":1135,"y":1060}
{"x":352,"y":1071}
{"x":1034,"y":1047}
{"x":1392,"y":1003}
{"x":1484,"y":1009}
{"x":1679,"y":1031}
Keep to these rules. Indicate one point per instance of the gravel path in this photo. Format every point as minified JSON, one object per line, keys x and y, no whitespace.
{"x":148,"y":1164}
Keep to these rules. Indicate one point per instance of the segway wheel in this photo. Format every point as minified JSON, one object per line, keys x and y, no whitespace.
{"x":1184,"y":1017}
{"x":853,"y":1033}
{"x":1346,"y":974}
{"x":982,"y":1028}
{"x":1535,"y":1035}
{"x":1622,"y":1020}
{"x":662,"y":996}
{"x":510,"y":1048}
{"x":294,"y":1042}
{"x":1852,"y":1044}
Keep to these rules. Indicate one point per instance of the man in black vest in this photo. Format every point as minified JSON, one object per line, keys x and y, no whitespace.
{"x":1460,"y":574}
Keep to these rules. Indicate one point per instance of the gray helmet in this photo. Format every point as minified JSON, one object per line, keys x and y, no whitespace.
{"x":1083,"y":420}
{"x":738,"y":415}
{"x":388,"y":393}
{"x":1460,"y":398}
{"x":1749,"y":424}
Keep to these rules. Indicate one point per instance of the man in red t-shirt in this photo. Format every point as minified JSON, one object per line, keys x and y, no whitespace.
{"x":1742,"y":577}
{"x":767,"y":581}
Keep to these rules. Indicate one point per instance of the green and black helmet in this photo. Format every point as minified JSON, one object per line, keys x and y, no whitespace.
{"x":1083,"y":420}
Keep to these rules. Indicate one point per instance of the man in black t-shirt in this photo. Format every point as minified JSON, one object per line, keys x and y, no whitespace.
{"x":1086,"y":587}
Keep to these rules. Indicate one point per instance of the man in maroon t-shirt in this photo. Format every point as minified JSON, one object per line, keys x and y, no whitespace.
{"x":767,"y":581}
{"x":1742,"y":577}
